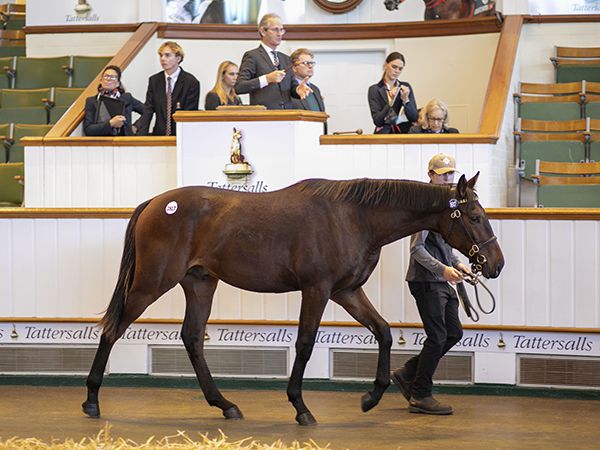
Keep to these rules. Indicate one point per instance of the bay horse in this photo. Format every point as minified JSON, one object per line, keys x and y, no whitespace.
{"x":317,"y":236}
{"x":451,"y":9}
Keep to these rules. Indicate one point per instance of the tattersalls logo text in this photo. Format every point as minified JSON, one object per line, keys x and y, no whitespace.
{"x":83,"y":13}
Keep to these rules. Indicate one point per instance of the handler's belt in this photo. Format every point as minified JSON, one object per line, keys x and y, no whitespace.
{"x":472,"y":313}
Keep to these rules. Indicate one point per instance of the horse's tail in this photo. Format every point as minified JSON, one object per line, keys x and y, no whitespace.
{"x":112,"y":316}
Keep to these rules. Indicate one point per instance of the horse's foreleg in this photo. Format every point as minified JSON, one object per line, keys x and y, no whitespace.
{"x":134,"y":307}
{"x":358,"y":306}
{"x":311,"y":311}
{"x":199,"y":289}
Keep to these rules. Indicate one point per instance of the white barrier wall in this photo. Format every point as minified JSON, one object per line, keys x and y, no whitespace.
{"x":67,"y":268}
{"x":99,"y":177}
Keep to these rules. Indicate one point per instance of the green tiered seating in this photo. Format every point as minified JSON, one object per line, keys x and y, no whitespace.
{"x":12,"y":43}
{"x":24,"y":105}
{"x":552,"y":101}
{"x":16,"y":150}
{"x":62,"y":100}
{"x":568,"y":185}
{"x":4,"y":137}
{"x":85,"y":69}
{"x":11,"y":184}
{"x":576,"y":64}
{"x":32,"y":73}
{"x":7,"y":67}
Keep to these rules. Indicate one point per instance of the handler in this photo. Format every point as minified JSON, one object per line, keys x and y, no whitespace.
{"x":432,"y":266}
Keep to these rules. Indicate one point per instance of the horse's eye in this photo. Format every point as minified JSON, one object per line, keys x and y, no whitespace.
{"x":475,"y":219}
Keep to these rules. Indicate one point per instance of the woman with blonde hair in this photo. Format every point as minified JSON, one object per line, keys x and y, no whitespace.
{"x":223,"y":92}
{"x":433,"y":119}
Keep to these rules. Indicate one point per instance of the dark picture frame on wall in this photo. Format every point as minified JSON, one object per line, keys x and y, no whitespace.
{"x":337,"y":6}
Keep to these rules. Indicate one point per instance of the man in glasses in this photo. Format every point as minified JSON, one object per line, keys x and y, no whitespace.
{"x":303,"y":65}
{"x":265,"y":72}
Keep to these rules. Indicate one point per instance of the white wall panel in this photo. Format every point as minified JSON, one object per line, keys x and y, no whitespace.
{"x":68,"y":268}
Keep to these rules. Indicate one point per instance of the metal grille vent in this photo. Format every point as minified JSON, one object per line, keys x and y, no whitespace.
{"x":46,"y":359}
{"x":559,"y":371}
{"x":222,"y":361}
{"x":456,"y":368}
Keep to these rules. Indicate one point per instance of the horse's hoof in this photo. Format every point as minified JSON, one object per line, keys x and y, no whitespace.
{"x":306,"y":419}
{"x":91,"y":409}
{"x":367,"y":402}
{"x":233,"y":413}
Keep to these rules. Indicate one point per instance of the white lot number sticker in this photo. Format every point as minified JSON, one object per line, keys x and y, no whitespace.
{"x":171,"y":208}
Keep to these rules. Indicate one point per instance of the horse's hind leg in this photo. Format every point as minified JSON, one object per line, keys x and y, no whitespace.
{"x":136,"y":303}
{"x":358,"y":306}
{"x":199,"y":288}
{"x":311,"y":311}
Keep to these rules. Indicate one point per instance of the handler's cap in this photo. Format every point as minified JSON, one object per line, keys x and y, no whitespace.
{"x":442,"y":163}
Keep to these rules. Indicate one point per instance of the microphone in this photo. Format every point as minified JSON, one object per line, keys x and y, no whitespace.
{"x":358,"y":131}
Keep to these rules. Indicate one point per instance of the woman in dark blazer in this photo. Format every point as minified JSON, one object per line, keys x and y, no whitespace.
{"x":223,"y":92}
{"x":392,"y":102}
{"x":99,"y":121}
{"x":433,"y":119}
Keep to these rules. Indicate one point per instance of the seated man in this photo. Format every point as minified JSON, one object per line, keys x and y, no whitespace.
{"x":168,"y":91}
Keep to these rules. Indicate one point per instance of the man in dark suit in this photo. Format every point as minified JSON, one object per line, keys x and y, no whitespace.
{"x":168,"y":91}
{"x":264,"y":72}
{"x":303,"y":66}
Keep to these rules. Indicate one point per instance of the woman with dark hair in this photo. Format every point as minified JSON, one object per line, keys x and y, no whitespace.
{"x":109,"y":112}
{"x":223,"y":92}
{"x":392,"y":102}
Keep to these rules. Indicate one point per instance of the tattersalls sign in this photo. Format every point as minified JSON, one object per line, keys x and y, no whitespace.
{"x":517,"y":342}
{"x":81,"y":12}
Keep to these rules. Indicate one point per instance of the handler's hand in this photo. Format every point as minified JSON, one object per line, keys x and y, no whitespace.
{"x":276,"y":76}
{"x":303,"y":90}
{"x":452,"y":275}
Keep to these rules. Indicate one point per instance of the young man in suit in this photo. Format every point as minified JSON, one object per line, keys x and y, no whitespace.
{"x":170,"y":90}
{"x":265,"y":72}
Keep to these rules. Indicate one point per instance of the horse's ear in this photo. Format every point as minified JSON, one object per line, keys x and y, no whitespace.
{"x":473,"y":181}
{"x":461,"y":187}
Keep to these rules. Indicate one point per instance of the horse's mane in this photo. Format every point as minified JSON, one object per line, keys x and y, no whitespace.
{"x":411,"y":195}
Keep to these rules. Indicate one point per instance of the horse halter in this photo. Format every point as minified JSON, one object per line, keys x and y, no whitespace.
{"x":477,"y":259}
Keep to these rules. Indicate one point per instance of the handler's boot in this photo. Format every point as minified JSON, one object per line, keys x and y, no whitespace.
{"x":399,"y":379}
{"x":428,"y":405}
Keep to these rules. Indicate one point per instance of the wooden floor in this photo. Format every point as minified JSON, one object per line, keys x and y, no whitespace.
{"x":138,"y":413}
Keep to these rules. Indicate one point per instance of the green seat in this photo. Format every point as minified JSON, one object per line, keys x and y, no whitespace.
{"x":85,"y":69}
{"x":19,"y":98}
{"x":5,"y":136}
{"x":34,"y":73}
{"x":566,"y":73}
{"x":595,"y":149}
{"x":6,"y":63}
{"x":11,"y":190}
{"x":592,"y":110}
{"x":31,"y":115}
{"x":63,"y":99}
{"x":557,"y":151}
{"x":569,"y":196}
{"x":550,"y":111}
{"x":16,"y":151}
{"x":14,"y":23}
{"x":12,"y":50}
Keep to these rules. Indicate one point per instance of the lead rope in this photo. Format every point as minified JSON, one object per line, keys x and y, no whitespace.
{"x":474,"y":281}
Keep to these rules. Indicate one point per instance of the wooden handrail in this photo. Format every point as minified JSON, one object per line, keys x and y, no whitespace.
{"x":100,"y":141}
{"x":575,"y":87}
{"x":250,"y":115}
{"x":374,"y":139}
{"x":125,"y":213}
{"x":500,"y":78}
{"x":551,"y":125}
{"x":74,"y":115}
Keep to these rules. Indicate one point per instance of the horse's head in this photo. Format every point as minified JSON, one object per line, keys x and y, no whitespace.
{"x":466,"y":227}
